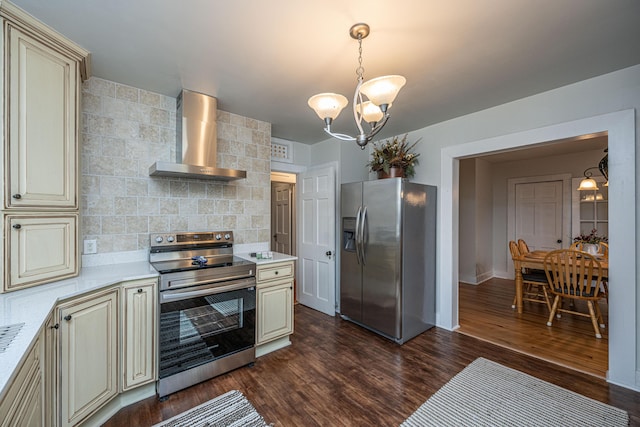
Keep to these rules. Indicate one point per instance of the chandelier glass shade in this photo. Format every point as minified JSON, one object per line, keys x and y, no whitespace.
{"x":590,"y":184}
{"x":380,"y":93}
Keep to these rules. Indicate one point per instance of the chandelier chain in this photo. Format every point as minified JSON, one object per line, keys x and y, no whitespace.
{"x":360,"y":69}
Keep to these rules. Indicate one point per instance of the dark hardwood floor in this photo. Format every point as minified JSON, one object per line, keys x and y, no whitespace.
{"x":338,"y":374}
{"x":486,"y":313}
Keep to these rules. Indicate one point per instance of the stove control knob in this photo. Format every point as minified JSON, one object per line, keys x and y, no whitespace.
{"x":159,"y":239}
{"x":218,"y":236}
{"x":170,"y":239}
{"x":227,"y":236}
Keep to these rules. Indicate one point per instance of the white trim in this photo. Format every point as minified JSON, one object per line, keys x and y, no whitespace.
{"x":622,"y":207}
{"x":286,"y":167}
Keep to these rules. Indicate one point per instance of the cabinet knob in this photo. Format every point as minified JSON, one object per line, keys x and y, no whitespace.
{"x":276,"y":272}
{"x":67,"y":317}
{"x":140,"y":290}
{"x":17,"y":196}
{"x":17,"y":226}
{"x":56,"y":326}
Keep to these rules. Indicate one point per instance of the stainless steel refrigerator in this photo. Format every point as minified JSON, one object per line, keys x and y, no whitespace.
{"x":387,"y":256}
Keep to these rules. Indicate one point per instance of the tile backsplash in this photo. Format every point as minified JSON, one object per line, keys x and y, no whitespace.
{"x":125,"y":130}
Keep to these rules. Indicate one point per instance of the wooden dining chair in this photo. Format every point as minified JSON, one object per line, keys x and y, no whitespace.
{"x":578,"y":276}
{"x":534,"y":282}
{"x":603,"y":250}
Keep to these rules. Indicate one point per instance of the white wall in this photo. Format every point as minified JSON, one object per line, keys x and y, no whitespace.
{"x":575,"y":164}
{"x":539,"y":116}
{"x":467,"y":221}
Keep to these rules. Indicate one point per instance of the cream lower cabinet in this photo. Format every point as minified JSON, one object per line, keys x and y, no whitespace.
{"x":40,"y":248}
{"x":22,"y":405}
{"x":139,"y":330}
{"x":274,"y":301}
{"x":88,"y":339}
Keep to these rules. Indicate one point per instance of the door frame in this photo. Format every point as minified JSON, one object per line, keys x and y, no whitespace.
{"x":620,"y":126}
{"x":566,"y":204}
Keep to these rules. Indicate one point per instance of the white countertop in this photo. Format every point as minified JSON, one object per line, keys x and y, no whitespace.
{"x":32,"y":306}
{"x":277,"y":257}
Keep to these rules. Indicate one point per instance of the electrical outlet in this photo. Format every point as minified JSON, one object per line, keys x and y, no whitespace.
{"x":90,"y":247}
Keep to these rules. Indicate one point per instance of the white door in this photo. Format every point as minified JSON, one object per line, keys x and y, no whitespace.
{"x":316,"y":257}
{"x":539,"y":214}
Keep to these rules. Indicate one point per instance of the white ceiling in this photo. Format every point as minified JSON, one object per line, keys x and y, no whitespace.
{"x":263,"y":59}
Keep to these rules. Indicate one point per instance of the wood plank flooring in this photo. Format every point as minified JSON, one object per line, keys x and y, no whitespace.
{"x":336,"y":373}
{"x":486,"y":313}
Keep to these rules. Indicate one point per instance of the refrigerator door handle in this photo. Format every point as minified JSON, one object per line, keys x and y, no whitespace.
{"x":357,"y":231}
{"x":363,"y":221}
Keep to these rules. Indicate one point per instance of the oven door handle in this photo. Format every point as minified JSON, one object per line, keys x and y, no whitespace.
{"x":180,"y":294}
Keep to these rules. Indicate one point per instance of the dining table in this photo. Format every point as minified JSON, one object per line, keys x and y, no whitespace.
{"x":535,"y":261}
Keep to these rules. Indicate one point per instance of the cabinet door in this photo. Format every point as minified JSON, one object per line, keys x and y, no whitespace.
{"x":139,"y":322}
{"x":22,"y":403}
{"x":40,"y":248}
{"x":88,"y":356}
{"x":42,"y":127}
{"x":275,"y":310}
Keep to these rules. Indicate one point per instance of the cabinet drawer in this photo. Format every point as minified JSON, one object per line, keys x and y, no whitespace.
{"x":274,"y":271}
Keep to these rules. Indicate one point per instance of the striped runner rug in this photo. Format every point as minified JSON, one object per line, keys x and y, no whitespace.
{"x":486,"y":393}
{"x":231,"y":409}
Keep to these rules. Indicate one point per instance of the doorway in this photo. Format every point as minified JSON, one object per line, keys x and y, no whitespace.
{"x":620,"y":128}
{"x":283,"y":216}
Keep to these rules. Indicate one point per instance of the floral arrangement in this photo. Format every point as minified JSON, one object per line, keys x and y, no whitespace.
{"x":592,"y":238}
{"x":395,"y":153}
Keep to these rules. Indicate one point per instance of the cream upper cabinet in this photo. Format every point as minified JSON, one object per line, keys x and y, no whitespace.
{"x":22,"y":404}
{"x":88,"y":339}
{"x":42,"y":124}
{"x":42,"y":247}
{"x":40,"y":82}
{"x":139,"y":329}
{"x":274,"y":301}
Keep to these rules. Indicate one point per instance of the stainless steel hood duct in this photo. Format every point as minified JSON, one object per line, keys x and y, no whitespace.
{"x":196,"y":141}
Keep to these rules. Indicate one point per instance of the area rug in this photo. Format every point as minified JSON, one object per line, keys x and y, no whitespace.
{"x":231,"y":409}
{"x":486,"y":393}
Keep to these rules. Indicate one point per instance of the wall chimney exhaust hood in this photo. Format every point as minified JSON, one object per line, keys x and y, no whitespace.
{"x":196,"y":141}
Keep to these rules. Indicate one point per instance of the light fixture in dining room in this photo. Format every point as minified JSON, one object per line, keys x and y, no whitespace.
{"x":588,"y":183}
{"x":380,"y":91}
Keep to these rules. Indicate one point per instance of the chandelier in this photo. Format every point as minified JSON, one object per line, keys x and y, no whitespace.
{"x":589,"y":183}
{"x":381,"y":92}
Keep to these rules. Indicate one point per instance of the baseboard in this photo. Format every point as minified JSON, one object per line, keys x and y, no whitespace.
{"x":477,"y":279}
{"x":503,"y":275}
{"x":484,"y":277}
{"x":274,"y":345}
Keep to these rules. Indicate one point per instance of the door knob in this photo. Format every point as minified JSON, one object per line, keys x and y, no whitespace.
{"x":328,"y":254}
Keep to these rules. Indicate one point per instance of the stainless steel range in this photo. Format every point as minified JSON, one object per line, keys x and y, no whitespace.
{"x":207,"y":307}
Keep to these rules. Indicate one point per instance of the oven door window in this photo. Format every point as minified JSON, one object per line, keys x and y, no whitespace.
{"x":198,"y":330}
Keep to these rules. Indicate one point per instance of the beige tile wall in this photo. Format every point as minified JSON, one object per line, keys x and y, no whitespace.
{"x":125,"y":130}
